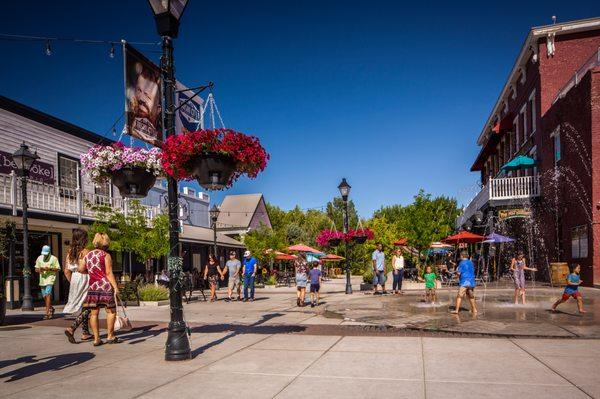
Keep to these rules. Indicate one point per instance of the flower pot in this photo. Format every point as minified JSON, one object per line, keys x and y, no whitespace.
{"x":133,"y":182}
{"x":366,"y":287}
{"x":359,"y":239}
{"x":213,"y":171}
{"x":334,"y":242}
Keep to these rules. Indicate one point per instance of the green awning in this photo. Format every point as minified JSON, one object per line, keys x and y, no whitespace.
{"x":520,"y":162}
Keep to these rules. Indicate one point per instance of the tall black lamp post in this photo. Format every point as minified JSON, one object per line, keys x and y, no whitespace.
{"x":344,"y":188}
{"x":167,"y":14}
{"x":24,"y":160}
{"x":214,"y":215}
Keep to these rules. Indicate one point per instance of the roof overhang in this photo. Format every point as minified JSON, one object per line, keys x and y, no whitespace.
{"x":529,"y":47}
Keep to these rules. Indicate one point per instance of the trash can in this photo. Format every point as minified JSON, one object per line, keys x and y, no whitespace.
{"x":559,"y":272}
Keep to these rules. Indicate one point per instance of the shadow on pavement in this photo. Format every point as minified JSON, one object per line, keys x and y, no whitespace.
{"x":141,"y":334}
{"x":37,"y":366}
{"x":254,"y":328}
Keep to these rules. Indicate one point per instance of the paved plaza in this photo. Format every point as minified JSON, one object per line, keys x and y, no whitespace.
{"x":349,"y":347}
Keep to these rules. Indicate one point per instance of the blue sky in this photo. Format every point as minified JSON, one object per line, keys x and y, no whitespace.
{"x":390,"y":96}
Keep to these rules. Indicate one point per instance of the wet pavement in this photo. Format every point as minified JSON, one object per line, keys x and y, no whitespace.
{"x":498,"y":315}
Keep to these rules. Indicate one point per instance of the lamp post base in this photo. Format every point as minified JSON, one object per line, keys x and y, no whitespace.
{"x":178,"y":345}
{"x":348,"y":289}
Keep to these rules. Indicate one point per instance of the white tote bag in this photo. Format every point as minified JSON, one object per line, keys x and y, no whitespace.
{"x":122,"y":322}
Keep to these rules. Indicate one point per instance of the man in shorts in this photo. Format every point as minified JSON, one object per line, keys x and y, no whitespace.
{"x":234,"y":267}
{"x":378,"y":269}
{"x":466,"y":278}
{"x":315,"y":284}
{"x":47,"y":266}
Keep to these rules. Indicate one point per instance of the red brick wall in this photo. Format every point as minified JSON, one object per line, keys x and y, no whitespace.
{"x":575,"y":201}
{"x":595,"y":140}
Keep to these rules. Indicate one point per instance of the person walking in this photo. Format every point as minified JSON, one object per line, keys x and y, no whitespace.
{"x":466,"y":278}
{"x":78,"y":287}
{"x":379,"y":269}
{"x":301,"y":268}
{"x":249,"y":272}
{"x":102,"y":288}
{"x":233,"y":266}
{"x":315,"y":284}
{"x":518,"y":266}
{"x":398,"y":273}
{"x":47,"y":266}
{"x":212,"y":272}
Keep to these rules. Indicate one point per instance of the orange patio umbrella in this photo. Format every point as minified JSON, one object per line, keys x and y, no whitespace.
{"x":332,"y":258}
{"x":401,"y":242}
{"x":304,"y":248}
{"x":282,"y":256}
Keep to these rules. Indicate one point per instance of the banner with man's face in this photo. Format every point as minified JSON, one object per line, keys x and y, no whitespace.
{"x":143,"y":97}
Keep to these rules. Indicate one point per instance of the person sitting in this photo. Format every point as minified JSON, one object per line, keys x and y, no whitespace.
{"x":163,"y":279}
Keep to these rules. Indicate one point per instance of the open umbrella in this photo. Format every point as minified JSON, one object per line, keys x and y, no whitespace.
{"x":283,"y":256}
{"x":401,"y":242}
{"x":332,"y":258}
{"x":497,"y":238}
{"x":463,"y":237}
{"x":440,"y":245}
{"x":304,"y":248}
{"x":520,"y":162}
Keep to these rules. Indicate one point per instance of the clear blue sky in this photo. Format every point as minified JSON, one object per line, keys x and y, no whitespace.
{"x":390,"y":96}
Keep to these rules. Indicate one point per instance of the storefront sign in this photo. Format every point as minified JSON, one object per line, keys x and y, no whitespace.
{"x":513,"y":213}
{"x":40,"y":171}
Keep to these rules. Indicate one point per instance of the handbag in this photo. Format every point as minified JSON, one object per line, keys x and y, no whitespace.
{"x":122,"y":323}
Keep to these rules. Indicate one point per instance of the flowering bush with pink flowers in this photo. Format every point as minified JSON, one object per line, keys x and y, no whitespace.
{"x":101,"y":160}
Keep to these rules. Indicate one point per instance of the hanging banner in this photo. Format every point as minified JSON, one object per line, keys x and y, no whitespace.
{"x":513,"y":213}
{"x":143,"y":97}
{"x":188,"y":117}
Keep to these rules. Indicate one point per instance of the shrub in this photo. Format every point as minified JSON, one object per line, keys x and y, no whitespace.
{"x":150,"y":292}
{"x":129,"y":292}
{"x":368,"y":277}
{"x":271,"y":280}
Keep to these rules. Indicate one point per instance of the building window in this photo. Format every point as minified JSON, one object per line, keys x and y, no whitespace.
{"x":557,"y":153}
{"x":523,"y":122}
{"x":532,"y":113}
{"x":68,"y":175}
{"x":533,"y":155}
{"x":517,"y":134}
{"x":103,"y":193}
{"x":579,"y":242}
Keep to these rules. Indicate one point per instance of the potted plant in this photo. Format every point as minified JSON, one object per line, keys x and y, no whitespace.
{"x":367,"y":284}
{"x":216,"y":158}
{"x":132,"y":170}
{"x":360,"y":235}
{"x":329,"y":238}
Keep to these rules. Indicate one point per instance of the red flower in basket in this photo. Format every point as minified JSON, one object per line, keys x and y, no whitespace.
{"x":328,"y":238}
{"x":360,"y":235}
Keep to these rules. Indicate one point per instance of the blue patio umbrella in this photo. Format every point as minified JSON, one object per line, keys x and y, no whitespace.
{"x":520,"y":162}
{"x":432,"y":251}
{"x":497,"y":238}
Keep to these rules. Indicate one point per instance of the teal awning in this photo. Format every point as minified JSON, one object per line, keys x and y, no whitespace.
{"x":520,"y":162}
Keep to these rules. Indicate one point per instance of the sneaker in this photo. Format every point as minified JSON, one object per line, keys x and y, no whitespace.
{"x":298,"y":302}
{"x":312,"y":304}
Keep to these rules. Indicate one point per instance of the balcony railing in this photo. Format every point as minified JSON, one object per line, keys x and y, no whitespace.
{"x":56,"y":200}
{"x":504,"y":188}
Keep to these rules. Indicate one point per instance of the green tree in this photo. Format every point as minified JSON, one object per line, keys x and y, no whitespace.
{"x":261,"y":240}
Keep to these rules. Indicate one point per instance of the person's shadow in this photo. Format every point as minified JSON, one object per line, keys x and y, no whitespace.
{"x":37,"y":366}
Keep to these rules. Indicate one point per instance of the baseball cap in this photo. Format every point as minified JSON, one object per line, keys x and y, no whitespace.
{"x":45,"y":250}
{"x":246,"y":254}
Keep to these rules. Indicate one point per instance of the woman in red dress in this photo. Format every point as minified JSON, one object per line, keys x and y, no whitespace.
{"x":102,"y":287}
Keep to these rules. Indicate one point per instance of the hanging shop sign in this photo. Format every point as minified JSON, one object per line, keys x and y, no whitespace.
{"x":189,"y":116}
{"x":505,"y":214}
{"x":40,"y":171}
{"x":143,"y":97}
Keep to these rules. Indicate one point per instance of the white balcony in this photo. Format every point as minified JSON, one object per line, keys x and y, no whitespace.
{"x":58,"y":201}
{"x":504,"y":189}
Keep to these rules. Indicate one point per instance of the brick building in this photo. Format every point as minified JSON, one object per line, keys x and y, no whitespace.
{"x":548,"y":110}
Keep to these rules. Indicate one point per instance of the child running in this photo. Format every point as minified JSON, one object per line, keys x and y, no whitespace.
{"x":466,"y":278}
{"x":430,"y":278}
{"x":572,"y":289}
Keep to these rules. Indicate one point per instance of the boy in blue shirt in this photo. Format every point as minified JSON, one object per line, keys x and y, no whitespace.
{"x":249,"y":272}
{"x":315,"y":284}
{"x":572,"y":289}
{"x":466,"y":278}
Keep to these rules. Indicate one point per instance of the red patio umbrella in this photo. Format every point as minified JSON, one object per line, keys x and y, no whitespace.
{"x":304,"y":248}
{"x":463,"y":237}
{"x":282,"y":256}
{"x":401,"y":242}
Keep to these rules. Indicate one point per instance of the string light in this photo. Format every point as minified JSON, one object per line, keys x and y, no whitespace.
{"x":111,"y":54}
{"x":48,"y":48}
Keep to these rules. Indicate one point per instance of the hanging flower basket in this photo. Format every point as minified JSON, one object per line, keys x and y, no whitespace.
{"x":132,"y":170}
{"x":214,"y":157}
{"x":329,"y":238}
{"x":360,"y":236}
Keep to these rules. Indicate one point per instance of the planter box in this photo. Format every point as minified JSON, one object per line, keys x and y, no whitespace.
{"x":131,"y":303}
{"x":154,"y":303}
{"x":366,"y":287}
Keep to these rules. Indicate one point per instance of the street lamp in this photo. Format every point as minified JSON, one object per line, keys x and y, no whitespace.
{"x":214,"y":215}
{"x":167,"y":14}
{"x":344,"y":188}
{"x":24,"y":160}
